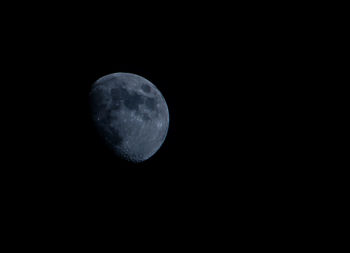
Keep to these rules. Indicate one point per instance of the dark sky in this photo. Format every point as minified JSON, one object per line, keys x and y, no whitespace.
{"x":218,"y":91}
{"x":227,"y":85}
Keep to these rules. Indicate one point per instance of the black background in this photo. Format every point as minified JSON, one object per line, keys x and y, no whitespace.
{"x":227,"y":78}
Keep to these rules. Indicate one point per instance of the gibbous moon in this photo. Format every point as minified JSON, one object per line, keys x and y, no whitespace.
{"x":130,"y":114}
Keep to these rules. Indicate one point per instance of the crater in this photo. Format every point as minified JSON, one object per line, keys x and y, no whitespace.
{"x":146,"y":88}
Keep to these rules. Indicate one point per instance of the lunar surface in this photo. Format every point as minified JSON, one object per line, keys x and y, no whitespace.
{"x":130,"y":114}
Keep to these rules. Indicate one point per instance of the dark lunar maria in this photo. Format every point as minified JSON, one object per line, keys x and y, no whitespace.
{"x":130,"y":114}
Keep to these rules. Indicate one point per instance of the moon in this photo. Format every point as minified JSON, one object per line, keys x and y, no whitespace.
{"x":130,"y":114}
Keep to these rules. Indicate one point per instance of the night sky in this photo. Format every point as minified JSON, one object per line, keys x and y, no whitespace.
{"x":227,"y":87}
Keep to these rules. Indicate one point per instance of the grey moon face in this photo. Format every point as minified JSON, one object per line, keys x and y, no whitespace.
{"x":130,"y":114}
